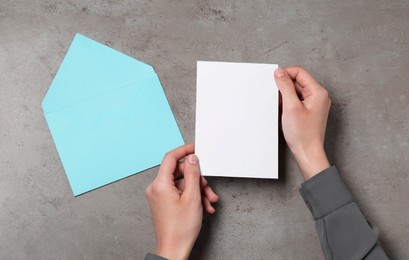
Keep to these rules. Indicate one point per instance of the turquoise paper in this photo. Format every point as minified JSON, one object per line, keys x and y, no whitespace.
{"x":108,"y":116}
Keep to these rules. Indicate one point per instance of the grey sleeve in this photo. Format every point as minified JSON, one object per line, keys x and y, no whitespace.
{"x":153,"y":257}
{"x":343,"y":231}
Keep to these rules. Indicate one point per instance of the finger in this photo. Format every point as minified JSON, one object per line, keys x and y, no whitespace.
{"x":303,"y":77}
{"x":191,"y":175}
{"x":170,"y":161}
{"x":207,"y":206}
{"x":299,"y":90}
{"x":280,"y":111}
{"x":203,"y":182}
{"x":210,"y":194}
{"x":179,"y":171}
{"x":207,"y":190}
{"x":287,"y":89}
{"x":180,"y":184}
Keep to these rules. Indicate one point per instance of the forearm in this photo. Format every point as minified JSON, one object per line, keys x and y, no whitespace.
{"x":342,"y":229}
{"x":154,"y":257}
{"x":311,"y":161}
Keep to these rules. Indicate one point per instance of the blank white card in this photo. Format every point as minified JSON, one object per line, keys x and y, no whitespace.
{"x":237,"y":119}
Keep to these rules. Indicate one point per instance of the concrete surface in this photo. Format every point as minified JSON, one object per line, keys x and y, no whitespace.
{"x":358,"y":49}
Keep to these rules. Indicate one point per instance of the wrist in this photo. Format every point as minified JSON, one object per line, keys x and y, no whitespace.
{"x":172,"y":252}
{"x":311,"y":161}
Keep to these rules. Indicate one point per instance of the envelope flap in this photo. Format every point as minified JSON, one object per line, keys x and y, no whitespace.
{"x":113,"y":136}
{"x":90,"y":69}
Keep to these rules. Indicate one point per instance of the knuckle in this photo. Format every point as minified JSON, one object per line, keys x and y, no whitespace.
{"x":301,"y":68}
{"x":166,"y":155}
{"x":203,"y":181}
{"x":323,"y":93}
{"x":292,"y":107}
{"x":158,"y":188}
{"x":148,"y":191}
{"x":287,"y":82}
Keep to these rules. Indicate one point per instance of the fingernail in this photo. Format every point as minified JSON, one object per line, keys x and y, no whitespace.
{"x":279,"y":72}
{"x":192,"y":159}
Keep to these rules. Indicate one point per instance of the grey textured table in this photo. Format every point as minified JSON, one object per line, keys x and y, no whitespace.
{"x":358,"y":49}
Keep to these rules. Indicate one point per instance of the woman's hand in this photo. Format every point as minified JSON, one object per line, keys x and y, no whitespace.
{"x":177,"y":205}
{"x":305,"y":108}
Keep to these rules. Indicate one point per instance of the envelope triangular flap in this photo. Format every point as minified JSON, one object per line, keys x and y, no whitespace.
{"x":90,"y":69}
{"x":100,"y":143}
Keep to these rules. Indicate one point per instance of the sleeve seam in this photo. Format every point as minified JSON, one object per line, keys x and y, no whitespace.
{"x":326,"y":239}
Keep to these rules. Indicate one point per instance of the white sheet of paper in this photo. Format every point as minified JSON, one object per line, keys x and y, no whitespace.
{"x":237,"y":119}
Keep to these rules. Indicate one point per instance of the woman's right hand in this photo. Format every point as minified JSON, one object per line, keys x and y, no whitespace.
{"x":305,"y":108}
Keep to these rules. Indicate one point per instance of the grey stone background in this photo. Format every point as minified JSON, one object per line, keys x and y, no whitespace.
{"x":358,"y":49}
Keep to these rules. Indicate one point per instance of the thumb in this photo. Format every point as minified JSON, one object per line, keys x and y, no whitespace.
{"x":286,"y":86}
{"x":191,"y":174}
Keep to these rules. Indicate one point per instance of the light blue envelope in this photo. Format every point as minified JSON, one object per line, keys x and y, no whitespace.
{"x":108,"y":116}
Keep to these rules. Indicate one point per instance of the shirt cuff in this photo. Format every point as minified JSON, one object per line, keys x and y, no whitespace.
{"x":154,"y":257}
{"x":325,"y":193}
